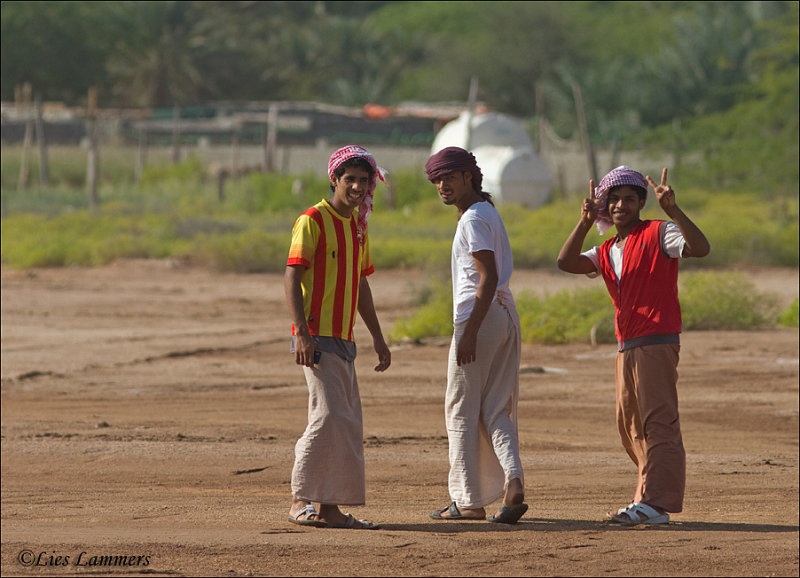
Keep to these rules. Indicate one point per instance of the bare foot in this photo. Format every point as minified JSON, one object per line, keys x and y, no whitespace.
{"x":453,"y":512}
{"x":337,"y":519}
{"x":515,"y":494}
{"x":304,"y":513}
{"x":467,"y":512}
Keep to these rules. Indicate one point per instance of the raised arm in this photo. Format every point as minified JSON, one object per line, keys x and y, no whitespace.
{"x":569,"y":257}
{"x":696,"y":243}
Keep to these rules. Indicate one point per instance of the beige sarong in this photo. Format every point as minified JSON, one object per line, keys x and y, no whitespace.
{"x":481,"y":412}
{"x":329,"y":456}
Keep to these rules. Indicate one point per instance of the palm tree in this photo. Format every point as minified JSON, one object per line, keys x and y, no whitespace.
{"x":157,"y":62}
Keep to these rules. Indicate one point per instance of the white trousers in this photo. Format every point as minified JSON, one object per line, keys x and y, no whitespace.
{"x":481,"y":412}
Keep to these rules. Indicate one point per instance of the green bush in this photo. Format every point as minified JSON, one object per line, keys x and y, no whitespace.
{"x":434,"y":318}
{"x":250,"y":251}
{"x":271,"y":192}
{"x":789,"y":316}
{"x":181,"y":203}
{"x":709,"y":301}
{"x":418,"y":236}
{"x":190,"y":171}
{"x":536,"y":236}
{"x":404,"y":188}
{"x":724,"y":301}
{"x":81,"y":238}
{"x":566,"y":316}
{"x":765,"y":233}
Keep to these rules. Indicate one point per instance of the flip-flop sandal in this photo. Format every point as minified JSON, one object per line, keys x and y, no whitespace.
{"x":303,"y":517}
{"x":509,"y":514}
{"x":351,"y":523}
{"x":454,"y":514}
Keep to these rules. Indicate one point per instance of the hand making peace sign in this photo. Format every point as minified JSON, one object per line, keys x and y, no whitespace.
{"x":591,"y":206}
{"x":664,"y":193}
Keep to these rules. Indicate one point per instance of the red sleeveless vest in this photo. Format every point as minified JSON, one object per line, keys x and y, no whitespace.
{"x":646,"y":298}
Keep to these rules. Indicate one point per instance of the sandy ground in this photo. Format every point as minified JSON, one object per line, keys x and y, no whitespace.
{"x":149,"y":414}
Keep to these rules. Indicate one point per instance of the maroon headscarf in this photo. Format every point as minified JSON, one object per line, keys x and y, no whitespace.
{"x":451,"y":160}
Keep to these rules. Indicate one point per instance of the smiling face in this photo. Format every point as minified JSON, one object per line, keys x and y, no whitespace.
{"x":349,"y":190}
{"x":624,"y":206}
{"x":456,"y":189}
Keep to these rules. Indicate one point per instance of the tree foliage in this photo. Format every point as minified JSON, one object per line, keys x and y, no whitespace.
{"x":709,"y":80}
{"x":60,"y":48}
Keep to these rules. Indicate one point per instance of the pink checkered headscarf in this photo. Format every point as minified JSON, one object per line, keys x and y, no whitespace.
{"x":355,"y":151}
{"x":621,"y":175}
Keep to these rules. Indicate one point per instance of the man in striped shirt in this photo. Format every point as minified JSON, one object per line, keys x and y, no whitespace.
{"x":326,"y":284}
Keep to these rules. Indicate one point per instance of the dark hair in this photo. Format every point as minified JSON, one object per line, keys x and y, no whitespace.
{"x":477,"y":188}
{"x":641,"y":191}
{"x":356,"y":162}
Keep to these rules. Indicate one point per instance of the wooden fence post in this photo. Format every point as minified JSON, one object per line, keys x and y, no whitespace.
{"x":42,"y":142}
{"x":176,"y":134}
{"x":141,"y":154}
{"x":92,"y":160}
{"x":24,"y":100}
{"x":235,"y":153}
{"x":271,"y":138}
{"x":591,"y":163}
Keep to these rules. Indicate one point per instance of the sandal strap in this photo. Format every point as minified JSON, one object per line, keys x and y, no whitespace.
{"x":454,"y":511}
{"x":306,"y":512}
{"x":640,"y":511}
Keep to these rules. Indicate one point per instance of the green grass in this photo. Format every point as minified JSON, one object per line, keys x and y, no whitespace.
{"x":410,"y":227}
{"x":176,"y":211}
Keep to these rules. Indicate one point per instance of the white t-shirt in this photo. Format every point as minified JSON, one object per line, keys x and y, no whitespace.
{"x":671,"y":240}
{"x":480,"y":228}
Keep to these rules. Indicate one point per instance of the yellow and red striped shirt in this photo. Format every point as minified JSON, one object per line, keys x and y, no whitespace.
{"x":336,"y":258}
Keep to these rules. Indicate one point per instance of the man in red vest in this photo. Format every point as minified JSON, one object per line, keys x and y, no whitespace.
{"x":640,"y":268}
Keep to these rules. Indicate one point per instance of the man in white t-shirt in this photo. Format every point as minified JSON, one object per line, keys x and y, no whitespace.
{"x":483,"y":369}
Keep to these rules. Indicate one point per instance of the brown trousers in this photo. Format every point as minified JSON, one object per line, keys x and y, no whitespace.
{"x":649,"y":425}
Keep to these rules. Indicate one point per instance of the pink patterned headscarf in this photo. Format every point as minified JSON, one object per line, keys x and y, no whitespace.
{"x":355,"y":151}
{"x":621,"y":175}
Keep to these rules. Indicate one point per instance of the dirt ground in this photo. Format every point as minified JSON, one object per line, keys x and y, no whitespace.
{"x":150,"y":410}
